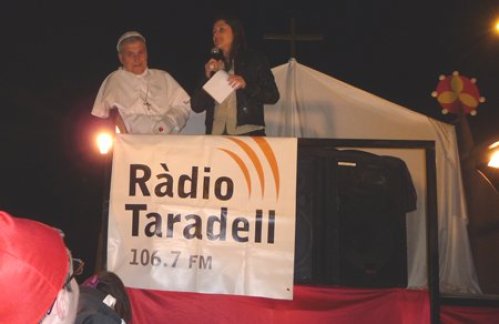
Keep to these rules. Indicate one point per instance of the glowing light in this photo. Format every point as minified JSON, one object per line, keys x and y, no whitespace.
{"x":494,"y":145}
{"x":496,"y":27}
{"x":494,"y":160}
{"x":494,"y":155}
{"x":104,"y":142}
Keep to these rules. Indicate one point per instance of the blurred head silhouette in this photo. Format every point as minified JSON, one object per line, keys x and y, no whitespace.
{"x":36,"y":273}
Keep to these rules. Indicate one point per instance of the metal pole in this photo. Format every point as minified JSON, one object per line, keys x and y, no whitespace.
{"x":101,"y":262}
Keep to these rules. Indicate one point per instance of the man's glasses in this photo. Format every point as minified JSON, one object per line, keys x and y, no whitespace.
{"x":76,"y":269}
{"x":77,"y":265}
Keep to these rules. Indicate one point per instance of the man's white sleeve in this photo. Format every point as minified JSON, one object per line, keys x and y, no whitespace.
{"x":101,"y":108}
{"x":180,"y":107}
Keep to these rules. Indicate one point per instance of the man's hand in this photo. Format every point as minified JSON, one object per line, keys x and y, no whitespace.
{"x":165,"y":126}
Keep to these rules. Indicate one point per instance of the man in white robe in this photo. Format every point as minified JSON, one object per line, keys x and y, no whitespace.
{"x":139,"y":99}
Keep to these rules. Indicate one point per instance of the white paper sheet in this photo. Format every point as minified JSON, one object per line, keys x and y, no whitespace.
{"x":218,"y":87}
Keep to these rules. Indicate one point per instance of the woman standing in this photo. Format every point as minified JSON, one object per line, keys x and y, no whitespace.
{"x":241,"y":113}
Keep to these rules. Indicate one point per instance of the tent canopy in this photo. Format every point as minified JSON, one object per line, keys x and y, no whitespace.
{"x":315,"y":105}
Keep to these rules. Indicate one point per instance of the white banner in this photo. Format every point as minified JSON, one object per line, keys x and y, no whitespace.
{"x":209,"y":214}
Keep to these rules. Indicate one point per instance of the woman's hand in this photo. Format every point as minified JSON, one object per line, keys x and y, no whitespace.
{"x":213,"y":66}
{"x":236,"y":81}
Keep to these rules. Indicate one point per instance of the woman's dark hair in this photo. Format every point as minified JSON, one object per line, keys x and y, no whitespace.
{"x":110,"y":283}
{"x":239,"y":42}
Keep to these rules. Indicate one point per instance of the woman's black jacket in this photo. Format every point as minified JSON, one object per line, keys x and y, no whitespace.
{"x":260,"y":89}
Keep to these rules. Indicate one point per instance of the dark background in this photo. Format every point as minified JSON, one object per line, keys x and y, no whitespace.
{"x":55,"y":54}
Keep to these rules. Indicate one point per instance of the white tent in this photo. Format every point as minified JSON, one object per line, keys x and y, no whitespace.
{"x":315,"y":105}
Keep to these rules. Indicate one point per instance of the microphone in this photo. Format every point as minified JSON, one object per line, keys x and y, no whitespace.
{"x":216,"y":54}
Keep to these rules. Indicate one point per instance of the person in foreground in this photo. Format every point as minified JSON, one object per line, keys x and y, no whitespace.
{"x":241,"y":113}
{"x":141,"y":100}
{"x":104,"y":300}
{"x":37,"y":282}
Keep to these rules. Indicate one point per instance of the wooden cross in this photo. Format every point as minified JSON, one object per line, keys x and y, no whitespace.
{"x":293,"y":37}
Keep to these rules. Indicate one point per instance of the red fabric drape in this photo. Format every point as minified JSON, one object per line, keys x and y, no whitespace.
{"x":465,"y":314}
{"x":310,"y":305}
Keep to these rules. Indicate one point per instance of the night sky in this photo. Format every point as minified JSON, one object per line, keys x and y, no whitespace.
{"x":55,"y":55}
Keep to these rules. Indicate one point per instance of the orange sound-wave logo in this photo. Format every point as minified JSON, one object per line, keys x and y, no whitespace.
{"x":269,"y":155}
